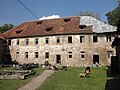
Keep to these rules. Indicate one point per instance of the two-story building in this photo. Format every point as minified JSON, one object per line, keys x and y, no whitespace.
{"x":72,"y":41}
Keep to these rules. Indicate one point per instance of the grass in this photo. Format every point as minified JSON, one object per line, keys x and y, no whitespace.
{"x":69,"y":80}
{"x":15,"y":84}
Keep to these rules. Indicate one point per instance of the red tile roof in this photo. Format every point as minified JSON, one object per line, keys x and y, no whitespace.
{"x":68,"y":25}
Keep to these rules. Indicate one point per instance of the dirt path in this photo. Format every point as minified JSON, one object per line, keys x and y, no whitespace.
{"x":36,"y":82}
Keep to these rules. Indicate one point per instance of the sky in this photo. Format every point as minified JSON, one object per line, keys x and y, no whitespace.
{"x":12,"y":12}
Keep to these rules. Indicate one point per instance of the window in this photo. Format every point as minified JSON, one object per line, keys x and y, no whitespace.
{"x":9,"y":42}
{"x":82,"y":39}
{"x":108,"y":39}
{"x":36,"y":40}
{"x":69,"y":54}
{"x":46,"y":54}
{"x":109,"y":54}
{"x":17,"y":55}
{"x":27,"y":41}
{"x":66,"y":19}
{"x":17,"y":41}
{"x":69,"y":39}
{"x":38,"y":23}
{"x":82,"y":55}
{"x":58,"y":39}
{"x":47,"y":40}
{"x":36,"y":54}
{"x":95,"y":39}
{"x":26,"y":54}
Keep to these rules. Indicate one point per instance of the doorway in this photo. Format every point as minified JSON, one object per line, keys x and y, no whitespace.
{"x":58,"y":59}
{"x":95,"y":58}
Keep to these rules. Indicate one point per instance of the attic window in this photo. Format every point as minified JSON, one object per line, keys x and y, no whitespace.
{"x":82,"y":26}
{"x":67,"y":20}
{"x":18,"y":32}
{"x":39,"y":22}
{"x":48,"y":28}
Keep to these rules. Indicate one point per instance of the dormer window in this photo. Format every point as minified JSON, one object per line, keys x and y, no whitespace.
{"x":82,"y":26}
{"x":39,"y":22}
{"x":19,"y":31}
{"x":48,"y":28}
{"x":67,"y":20}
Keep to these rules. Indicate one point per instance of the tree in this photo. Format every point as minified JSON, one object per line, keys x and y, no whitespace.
{"x":114,"y":15}
{"x":6,"y":27}
{"x":95,"y":15}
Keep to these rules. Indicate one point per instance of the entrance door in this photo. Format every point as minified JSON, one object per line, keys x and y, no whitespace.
{"x":96,"y":58}
{"x":58,"y":59}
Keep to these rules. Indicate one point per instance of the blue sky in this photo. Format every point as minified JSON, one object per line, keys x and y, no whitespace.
{"x":11,"y":11}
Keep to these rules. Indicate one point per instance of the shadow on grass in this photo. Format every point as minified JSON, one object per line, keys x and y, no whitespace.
{"x":113,"y":81}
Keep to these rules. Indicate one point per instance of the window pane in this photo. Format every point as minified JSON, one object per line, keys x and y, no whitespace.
{"x":46,"y":40}
{"x":26,"y":54}
{"x":36,"y":40}
{"x":69,"y":54}
{"x":95,"y":39}
{"x":36,"y":54}
{"x":70,"y":39}
{"x":46,"y":54}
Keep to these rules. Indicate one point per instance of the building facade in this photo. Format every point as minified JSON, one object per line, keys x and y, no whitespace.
{"x":71,"y":41}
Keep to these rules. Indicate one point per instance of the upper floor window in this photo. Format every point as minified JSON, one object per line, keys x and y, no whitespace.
{"x":69,"y":54}
{"x":82,"y":55}
{"x":58,"y":39}
{"x":36,"y":54}
{"x":27,"y":41}
{"x":18,"y":42}
{"x":46,"y":55}
{"x":108,"y":39}
{"x":47,"y":40}
{"x":82,"y":39}
{"x":9,"y":42}
{"x":26,"y":54}
{"x":69,"y":39}
{"x":95,"y":39}
{"x":36,"y":40}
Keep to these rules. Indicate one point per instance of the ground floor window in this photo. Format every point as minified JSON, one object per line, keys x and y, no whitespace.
{"x":82,"y":55}
{"x":109,"y":54}
{"x":46,"y":55}
{"x":69,"y":54}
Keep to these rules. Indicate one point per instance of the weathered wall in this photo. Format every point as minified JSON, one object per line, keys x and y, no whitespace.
{"x":90,"y":48}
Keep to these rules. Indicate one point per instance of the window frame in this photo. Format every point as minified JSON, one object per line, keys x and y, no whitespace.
{"x":82,"y":54}
{"x":47,"y":40}
{"x":82,"y":39}
{"x":36,"y":54}
{"x":46,"y":55}
{"x":70,"y":39}
{"x":70,"y":55}
{"x":26,"y":55}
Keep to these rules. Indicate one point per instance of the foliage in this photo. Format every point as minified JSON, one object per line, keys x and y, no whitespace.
{"x":95,"y":15}
{"x":6,"y":27}
{"x":114,"y":16}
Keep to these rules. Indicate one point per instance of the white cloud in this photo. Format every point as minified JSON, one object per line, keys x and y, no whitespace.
{"x":49,"y":17}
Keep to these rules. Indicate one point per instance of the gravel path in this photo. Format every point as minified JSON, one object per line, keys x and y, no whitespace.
{"x":36,"y":82}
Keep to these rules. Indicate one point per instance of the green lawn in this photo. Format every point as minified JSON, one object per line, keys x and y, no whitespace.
{"x":15,"y":84}
{"x":69,"y":80}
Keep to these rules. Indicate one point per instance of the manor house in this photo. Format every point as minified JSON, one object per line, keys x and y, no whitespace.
{"x":72,"y":41}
